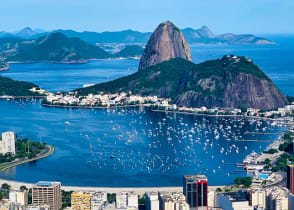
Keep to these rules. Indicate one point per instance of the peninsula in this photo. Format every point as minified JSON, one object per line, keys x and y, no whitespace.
{"x":229,"y":82}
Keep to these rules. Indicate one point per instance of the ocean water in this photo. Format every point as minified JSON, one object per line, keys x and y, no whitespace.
{"x":277,"y":61}
{"x":137,"y":147}
{"x":131,"y":147}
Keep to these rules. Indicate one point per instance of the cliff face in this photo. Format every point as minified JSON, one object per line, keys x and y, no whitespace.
{"x":230,"y":82}
{"x":238,"y":82}
{"x":166,"y":42}
{"x":243,"y":89}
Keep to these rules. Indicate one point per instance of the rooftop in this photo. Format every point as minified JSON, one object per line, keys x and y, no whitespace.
{"x":47,"y":184}
{"x":199,"y":177}
{"x":236,"y":196}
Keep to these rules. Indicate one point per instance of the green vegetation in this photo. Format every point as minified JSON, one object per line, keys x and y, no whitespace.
{"x":218,"y":189}
{"x":4,"y":191}
{"x":30,"y":196}
{"x":3,"y":65}
{"x":10,"y":87}
{"x":130,"y":51}
{"x":23,"y":188}
{"x":142,"y":200}
{"x":271,"y":151}
{"x":24,"y":149}
{"x":111,"y":197}
{"x":246,"y":181}
{"x":290,"y":99}
{"x":285,"y":158}
{"x":56,"y":47}
{"x":288,"y":144}
{"x":66,"y":198}
{"x":283,"y":161}
{"x":180,"y":79}
{"x":243,"y":106}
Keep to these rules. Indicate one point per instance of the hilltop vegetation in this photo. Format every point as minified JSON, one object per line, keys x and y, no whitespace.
{"x":10,"y":87}
{"x":56,"y":47}
{"x":228,"y":82}
{"x":130,"y":51}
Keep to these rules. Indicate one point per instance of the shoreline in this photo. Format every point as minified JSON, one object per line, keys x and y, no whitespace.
{"x":91,"y":107}
{"x":140,"y":190}
{"x":157,"y":110}
{"x":6,"y":68}
{"x":71,"y":62}
{"x":20,"y":162}
{"x":22,"y":97}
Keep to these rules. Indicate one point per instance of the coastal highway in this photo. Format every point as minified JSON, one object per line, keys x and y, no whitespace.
{"x":49,"y":150}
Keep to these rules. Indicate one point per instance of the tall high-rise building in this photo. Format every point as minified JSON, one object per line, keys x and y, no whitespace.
{"x":195,"y":188}
{"x":47,"y":193}
{"x":290,"y":178}
{"x":7,"y":144}
{"x":81,"y":201}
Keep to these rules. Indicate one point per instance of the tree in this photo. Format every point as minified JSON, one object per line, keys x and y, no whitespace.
{"x":5,"y":186}
{"x":23,"y":188}
{"x":111,"y":197}
{"x":246,"y":181}
{"x":218,"y":189}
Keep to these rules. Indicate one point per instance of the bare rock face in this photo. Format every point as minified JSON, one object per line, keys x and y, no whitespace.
{"x":166,"y":42}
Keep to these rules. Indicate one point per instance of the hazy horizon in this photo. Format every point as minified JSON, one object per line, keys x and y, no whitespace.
{"x":81,"y":30}
{"x":228,"y":16}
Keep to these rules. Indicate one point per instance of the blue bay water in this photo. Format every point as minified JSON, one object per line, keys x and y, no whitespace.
{"x":147,"y":148}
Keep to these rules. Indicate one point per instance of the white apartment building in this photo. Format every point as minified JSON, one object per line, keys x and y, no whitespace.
{"x":232,"y":201}
{"x":277,"y":198}
{"x":98,"y":200}
{"x":19,"y":197}
{"x":133,"y":200}
{"x":257,"y":197}
{"x":152,"y":202}
{"x":7,"y":144}
{"x":121,"y":200}
{"x":126,"y":200}
{"x":173,"y":201}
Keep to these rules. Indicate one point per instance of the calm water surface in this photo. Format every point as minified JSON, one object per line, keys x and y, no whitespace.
{"x":132,"y":147}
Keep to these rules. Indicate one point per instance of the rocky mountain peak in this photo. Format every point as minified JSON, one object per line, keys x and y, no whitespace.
{"x":165,"y":43}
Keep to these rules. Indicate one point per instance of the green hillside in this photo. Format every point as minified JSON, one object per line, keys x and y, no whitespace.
{"x":10,"y":87}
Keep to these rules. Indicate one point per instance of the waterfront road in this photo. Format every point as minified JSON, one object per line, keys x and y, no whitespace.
{"x":49,"y":150}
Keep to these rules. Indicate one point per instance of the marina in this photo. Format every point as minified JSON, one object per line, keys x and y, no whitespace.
{"x":131,"y":143}
{"x":134,"y":146}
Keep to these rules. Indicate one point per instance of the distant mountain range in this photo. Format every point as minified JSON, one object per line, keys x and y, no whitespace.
{"x":202,"y":35}
{"x":56,"y":47}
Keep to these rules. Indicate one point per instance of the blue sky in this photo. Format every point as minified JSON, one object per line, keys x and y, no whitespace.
{"x":237,"y":16}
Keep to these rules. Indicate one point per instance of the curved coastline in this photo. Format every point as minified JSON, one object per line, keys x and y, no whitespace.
{"x":48,"y":151}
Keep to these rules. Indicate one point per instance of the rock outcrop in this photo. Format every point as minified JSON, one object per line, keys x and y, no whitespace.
{"x":230,"y":82}
{"x":166,"y":42}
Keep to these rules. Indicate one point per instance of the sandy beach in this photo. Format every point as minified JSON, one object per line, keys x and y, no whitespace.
{"x":138,"y":190}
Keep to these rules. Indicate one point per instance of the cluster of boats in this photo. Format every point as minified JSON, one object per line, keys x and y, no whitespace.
{"x":165,"y":143}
